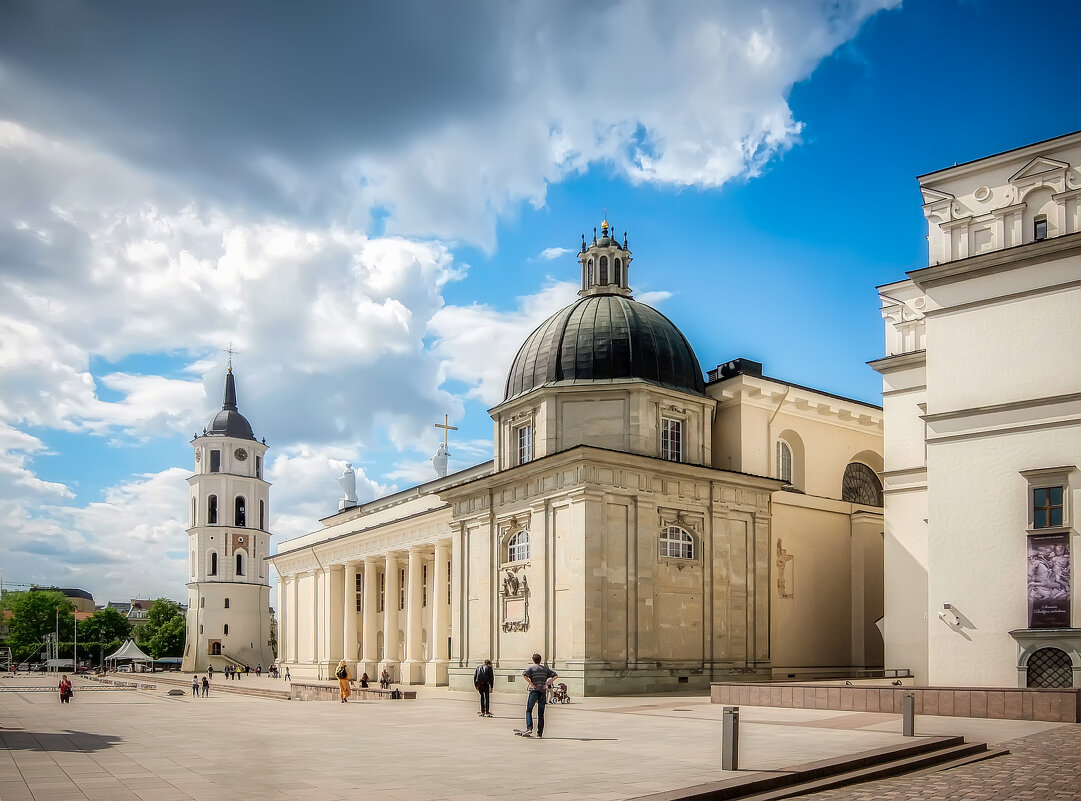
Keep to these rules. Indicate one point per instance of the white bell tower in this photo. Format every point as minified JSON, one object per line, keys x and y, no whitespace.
{"x":228,"y":543}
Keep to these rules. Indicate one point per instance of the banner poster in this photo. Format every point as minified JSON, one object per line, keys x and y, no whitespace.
{"x":1048,"y":581}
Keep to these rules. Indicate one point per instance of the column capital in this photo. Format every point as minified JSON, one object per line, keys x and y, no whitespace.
{"x":424,"y":549}
{"x":335,"y":568}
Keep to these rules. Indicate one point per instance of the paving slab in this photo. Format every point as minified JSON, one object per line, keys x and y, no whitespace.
{"x":146,"y":744}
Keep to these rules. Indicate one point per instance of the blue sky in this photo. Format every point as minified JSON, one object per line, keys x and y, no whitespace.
{"x":369,"y":230}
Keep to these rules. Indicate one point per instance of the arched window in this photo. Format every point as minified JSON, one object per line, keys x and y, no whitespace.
{"x":676,"y":543}
{"x":212,"y":509}
{"x":861,"y":485}
{"x":589,"y":273}
{"x":784,"y":461}
{"x":240,"y":564}
{"x":262,"y":516}
{"x":1049,"y":667}
{"x":225,"y":629}
{"x":226,"y":603}
{"x":238,"y":516}
{"x":213,"y":564}
{"x":215,"y":647}
{"x":518,"y":547}
{"x":604,"y":271}
{"x":617,"y":272}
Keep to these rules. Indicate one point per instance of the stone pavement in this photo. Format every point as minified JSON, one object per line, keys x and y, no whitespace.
{"x":124,"y":746}
{"x":1041,"y":766}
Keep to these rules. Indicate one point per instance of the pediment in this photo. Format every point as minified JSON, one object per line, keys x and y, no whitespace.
{"x":933,"y":195}
{"x":1040,"y":164}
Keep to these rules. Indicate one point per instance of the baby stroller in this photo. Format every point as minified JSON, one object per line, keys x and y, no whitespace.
{"x":557,"y":694}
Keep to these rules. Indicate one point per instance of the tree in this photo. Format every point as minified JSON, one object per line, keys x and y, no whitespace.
{"x":34,"y":617}
{"x":105,"y":630}
{"x":162,"y":614}
{"x":169,"y":639}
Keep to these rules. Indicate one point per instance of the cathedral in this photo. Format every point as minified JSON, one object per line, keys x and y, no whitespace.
{"x":643,"y":525}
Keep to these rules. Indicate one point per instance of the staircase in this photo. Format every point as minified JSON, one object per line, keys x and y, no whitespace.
{"x":232,"y":660}
{"x":924,"y":755}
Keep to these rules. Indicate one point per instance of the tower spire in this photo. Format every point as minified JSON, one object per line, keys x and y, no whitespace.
{"x":228,"y":403}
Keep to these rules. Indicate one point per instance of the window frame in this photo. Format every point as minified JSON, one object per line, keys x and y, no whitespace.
{"x":214,"y":465}
{"x":212,"y":510}
{"x":666,"y":449}
{"x":525,"y":430}
{"x":1044,"y":479}
{"x":784,"y":459}
{"x":518,"y":546}
{"x":1039,"y":228}
{"x":686,"y":544}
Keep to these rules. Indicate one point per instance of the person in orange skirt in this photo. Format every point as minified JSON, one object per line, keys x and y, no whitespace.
{"x":343,"y":681}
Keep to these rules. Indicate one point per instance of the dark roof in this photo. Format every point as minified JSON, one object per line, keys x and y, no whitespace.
{"x":229,"y":422}
{"x":604,"y":337}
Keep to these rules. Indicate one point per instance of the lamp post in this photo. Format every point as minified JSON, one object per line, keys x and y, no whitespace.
{"x":56,"y":642}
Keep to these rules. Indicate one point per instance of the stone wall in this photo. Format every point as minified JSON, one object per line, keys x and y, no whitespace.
{"x":1059,"y":706}
{"x":299,"y":691}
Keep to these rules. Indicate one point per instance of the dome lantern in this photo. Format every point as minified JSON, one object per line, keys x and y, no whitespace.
{"x":604,"y":264}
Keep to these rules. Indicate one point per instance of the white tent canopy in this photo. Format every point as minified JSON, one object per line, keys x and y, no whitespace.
{"x":129,"y":651}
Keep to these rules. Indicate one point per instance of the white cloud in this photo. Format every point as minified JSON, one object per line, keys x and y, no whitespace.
{"x":550,"y":254}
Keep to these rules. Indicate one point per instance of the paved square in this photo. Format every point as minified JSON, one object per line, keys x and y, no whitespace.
{"x":122,"y":746}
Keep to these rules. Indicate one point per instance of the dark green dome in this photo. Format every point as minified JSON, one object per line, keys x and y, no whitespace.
{"x":605,"y":337}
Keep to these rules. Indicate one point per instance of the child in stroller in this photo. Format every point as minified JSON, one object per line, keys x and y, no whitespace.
{"x":557,"y":694}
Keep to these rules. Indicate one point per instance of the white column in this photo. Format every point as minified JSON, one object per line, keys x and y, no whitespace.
{"x":390,"y":617}
{"x":413,"y":669}
{"x":294,"y":619}
{"x":440,"y":601}
{"x":349,"y":616}
{"x":313,"y":632}
{"x":371,"y":617}
{"x":282,"y":630}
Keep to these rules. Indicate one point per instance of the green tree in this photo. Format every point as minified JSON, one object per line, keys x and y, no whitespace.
{"x":162,"y":613}
{"x":34,"y":617}
{"x":105,"y":630}
{"x":169,"y":639}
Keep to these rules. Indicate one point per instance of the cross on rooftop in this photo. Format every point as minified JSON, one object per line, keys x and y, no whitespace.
{"x":232,"y":352}
{"x":447,"y":428}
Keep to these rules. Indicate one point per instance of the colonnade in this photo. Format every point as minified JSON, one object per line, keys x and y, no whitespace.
{"x":361,"y":611}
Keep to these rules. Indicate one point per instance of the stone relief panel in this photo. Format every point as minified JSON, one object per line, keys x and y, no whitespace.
{"x":514,"y":596}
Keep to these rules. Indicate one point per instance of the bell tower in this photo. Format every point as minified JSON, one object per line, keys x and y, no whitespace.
{"x":228,"y":576}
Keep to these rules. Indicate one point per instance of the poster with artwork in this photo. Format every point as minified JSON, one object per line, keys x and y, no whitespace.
{"x":1049,"y":581}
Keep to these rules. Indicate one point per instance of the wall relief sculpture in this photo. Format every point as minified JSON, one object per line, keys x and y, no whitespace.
{"x":515,"y":596}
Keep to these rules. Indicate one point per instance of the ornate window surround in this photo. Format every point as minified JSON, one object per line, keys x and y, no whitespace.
{"x":691,"y":527}
{"x":1043,"y":478}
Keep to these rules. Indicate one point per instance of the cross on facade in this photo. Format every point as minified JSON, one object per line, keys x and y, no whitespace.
{"x":232,"y":352}
{"x":447,"y":428}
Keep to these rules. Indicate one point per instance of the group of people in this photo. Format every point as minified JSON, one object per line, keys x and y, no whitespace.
{"x":341,"y":673}
{"x":196,"y":686}
{"x":538,"y":678}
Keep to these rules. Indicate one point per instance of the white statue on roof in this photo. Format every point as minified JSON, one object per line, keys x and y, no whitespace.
{"x":439,"y":461}
{"x":348,"y":483}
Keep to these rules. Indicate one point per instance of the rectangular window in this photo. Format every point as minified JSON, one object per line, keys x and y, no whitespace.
{"x":359,"y":590}
{"x":215,"y":461}
{"x":671,"y":439}
{"x":401,"y":590}
{"x":525,"y":444}
{"x":382,"y":592}
{"x":258,"y":466}
{"x":1039,"y":228}
{"x":1047,"y":507}
{"x":226,"y":603}
{"x":449,"y":575}
{"x":424,"y":585}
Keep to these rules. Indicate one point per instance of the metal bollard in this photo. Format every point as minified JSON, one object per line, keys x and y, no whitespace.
{"x":908,"y":715}
{"x":730,"y":738}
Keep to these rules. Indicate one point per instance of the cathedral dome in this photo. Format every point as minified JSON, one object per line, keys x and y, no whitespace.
{"x":229,"y":422}
{"x":603,"y":337}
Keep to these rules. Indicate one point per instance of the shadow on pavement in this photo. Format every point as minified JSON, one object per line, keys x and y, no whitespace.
{"x":72,"y":741}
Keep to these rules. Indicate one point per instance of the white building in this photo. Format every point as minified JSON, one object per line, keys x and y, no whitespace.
{"x":982,"y":403}
{"x":641,"y":527}
{"x":228,"y":619}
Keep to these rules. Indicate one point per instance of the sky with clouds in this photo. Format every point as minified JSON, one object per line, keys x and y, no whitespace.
{"x":377,"y":202}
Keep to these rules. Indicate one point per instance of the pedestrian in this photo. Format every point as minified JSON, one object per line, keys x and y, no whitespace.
{"x":65,"y":690}
{"x":538,"y":677}
{"x":247,"y":669}
{"x":210,"y":672}
{"x":236,"y":673}
{"x":364,"y":680}
{"x":342,"y":673}
{"x":206,"y":687}
{"x":258,"y":670}
{"x":287,"y":676}
{"x":483,"y":679}
{"x":195,"y":686}
{"x":384,"y":679}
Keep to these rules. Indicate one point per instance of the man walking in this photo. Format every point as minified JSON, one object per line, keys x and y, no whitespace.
{"x":483,"y":679}
{"x":538,"y":677}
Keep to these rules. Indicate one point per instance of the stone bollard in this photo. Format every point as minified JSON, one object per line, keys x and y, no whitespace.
{"x":908,"y":715}
{"x":730,"y":738}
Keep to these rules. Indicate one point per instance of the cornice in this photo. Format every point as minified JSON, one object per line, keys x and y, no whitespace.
{"x":900,"y":361}
{"x":995,"y":261}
